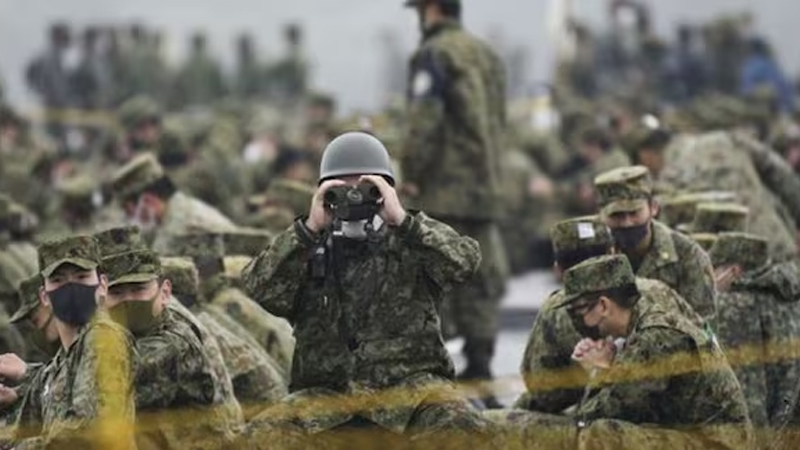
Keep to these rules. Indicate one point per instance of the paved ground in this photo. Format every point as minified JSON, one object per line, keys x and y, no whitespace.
{"x":525,"y":295}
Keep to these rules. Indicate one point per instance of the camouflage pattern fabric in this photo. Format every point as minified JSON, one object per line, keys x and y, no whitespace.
{"x":379,"y":326}
{"x":719,"y":218}
{"x":188,"y":215}
{"x":624,"y":189}
{"x":82,"y":251}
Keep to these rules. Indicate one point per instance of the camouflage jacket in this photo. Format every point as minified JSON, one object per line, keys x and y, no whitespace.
{"x":554,"y":382}
{"x":369,"y":321}
{"x":670,"y":373}
{"x":184,"y":215}
{"x":759,"y":326}
{"x":454,"y":146}
{"x":176,"y":379}
{"x":682,"y":265}
{"x":93,"y":379}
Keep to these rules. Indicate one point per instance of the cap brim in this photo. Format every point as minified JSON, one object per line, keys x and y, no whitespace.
{"x":568,"y":300}
{"x":23,"y":312}
{"x":80,"y":262}
{"x":624,"y":206}
{"x":133,"y":278}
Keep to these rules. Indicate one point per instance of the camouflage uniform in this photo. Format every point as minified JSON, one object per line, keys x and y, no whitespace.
{"x":453,"y":153}
{"x":368,"y":339}
{"x":677,"y":210}
{"x":759,"y":325}
{"x":85,"y":391}
{"x":719,"y":218}
{"x":199,"y":81}
{"x":36,"y":348}
{"x":698,"y":396}
{"x":184,"y":214}
{"x":761,"y":180}
{"x":174,"y":378}
{"x":672,"y":257}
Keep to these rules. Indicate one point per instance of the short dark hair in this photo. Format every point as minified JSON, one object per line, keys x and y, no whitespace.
{"x":625,"y":296}
{"x":598,"y":137}
{"x":451,"y":9}
{"x":570,"y":258}
{"x":162,"y":188}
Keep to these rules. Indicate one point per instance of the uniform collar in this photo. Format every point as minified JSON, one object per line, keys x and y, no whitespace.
{"x":662,"y":250}
{"x":446,"y":24}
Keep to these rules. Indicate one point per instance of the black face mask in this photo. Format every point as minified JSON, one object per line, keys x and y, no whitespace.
{"x":628,"y":238}
{"x":74,"y":303}
{"x":585,"y":331}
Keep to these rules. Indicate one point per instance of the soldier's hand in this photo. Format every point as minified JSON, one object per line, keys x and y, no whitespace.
{"x":541,"y":187}
{"x":320,"y":218}
{"x":392,"y":212}
{"x":592,"y":354}
{"x":8,"y":396}
{"x":12,"y":367}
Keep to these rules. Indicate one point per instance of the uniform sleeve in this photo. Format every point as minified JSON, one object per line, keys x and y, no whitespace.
{"x":275,"y":275}
{"x":428,"y":88}
{"x":639,"y":376}
{"x":447,"y":256}
{"x":780,"y":330}
{"x":697,"y":282}
{"x":102,"y":406}
{"x":547,"y":366}
{"x":28,"y":421}
{"x":776,"y":174}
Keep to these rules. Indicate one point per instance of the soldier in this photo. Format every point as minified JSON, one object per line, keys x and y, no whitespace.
{"x":48,"y":76}
{"x":288,"y":78}
{"x":137,"y":297}
{"x":552,"y":380}
{"x":34,"y":320}
{"x":256,"y":379}
{"x":667,"y":374}
{"x":250,"y":76}
{"x":84,"y":396}
{"x":655,"y":251}
{"x":141,"y":118}
{"x":282,"y":202}
{"x":149,"y":198}
{"x":231,"y":306}
{"x":716,"y":218}
{"x":452,"y":158}
{"x":759,"y":325}
{"x":364,"y":308}
{"x":199,"y":82}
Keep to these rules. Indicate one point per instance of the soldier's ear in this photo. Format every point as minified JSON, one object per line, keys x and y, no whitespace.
{"x":166,"y":288}
{"x":43,"y":297}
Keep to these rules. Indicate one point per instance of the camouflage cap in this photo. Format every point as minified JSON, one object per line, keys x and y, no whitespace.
{"x":596,"y":275}
{"x":704,"y":240}
{"x":196,"y":245}
{"x":680,"y":209}
{"x":28,"y":293}
{"x":79,"y":190}
{"x":82,"y":251}
{"x":719,"y":218}
{"x":136,"y":110}
{"x":581,"y":232}
{"x":744,"y":249}
{"x":138,"y":266}
{"x":291,"y":193}
{"x":136,"y":176}
{"x":119,"y":240}
{"x":182,"y":273}
{"x":625,"y":189}
{"x":246,"y":241}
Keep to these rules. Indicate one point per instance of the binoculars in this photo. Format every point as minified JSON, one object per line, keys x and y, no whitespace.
{"x":349,"y":203}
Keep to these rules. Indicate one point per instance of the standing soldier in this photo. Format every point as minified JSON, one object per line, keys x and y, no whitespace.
{"x":452,"y":157}
{"x":199,"y":82}
{"x":49,"y":78}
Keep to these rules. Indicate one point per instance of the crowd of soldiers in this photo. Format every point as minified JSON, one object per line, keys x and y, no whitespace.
{"x":210,"y":275}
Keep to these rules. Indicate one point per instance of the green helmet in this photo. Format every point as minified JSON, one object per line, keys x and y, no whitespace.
{"x":137,"y":110}
{"x":355,"y":153}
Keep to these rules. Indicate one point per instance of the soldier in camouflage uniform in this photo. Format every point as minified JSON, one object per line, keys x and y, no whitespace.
{"x":758,"y":323}
{"x":231,"y":306}
{"x":141,"y":118}
{"x":668,"y":373}
{"x":254,"y":374}
{"x":655,"y":251}
{"x":679,"y":209}
{"x":553,"y":381}
{"x":174,"y":379}
{"x":149,"y":197}
{"x":86,"y":389}
{"x":452,"y":161}
{"x":716,"y":218}
{"x":365,"y":317}
{"x":199,"y":81}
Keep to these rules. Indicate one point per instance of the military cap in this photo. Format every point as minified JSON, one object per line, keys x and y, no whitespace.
{"x":28,"y":293}
{"x":20,"y":219}
{"x":82,"y":251}
{"x":136,"y":176}
{"x":137,"y":266}
{"x":597,"y":275}
{"x":704,"y":240}
{"x":137,"y":110}
{"x":246,"y":241}
{"x":719,"y":218}
{"x":292,"y":193}
{"x":648,"y":132}
{"x":625,"y":189}
{"x":744,"y":249}
{"x":197,"y":245}
{"x":79,"y":190}
{"x":581,"y":232}
{"x":182,"y":273}
{"x":680,"y":209}
{"x":119,"y":240}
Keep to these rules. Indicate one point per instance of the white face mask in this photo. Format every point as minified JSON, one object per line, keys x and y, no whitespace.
{"x":142,"y":217}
